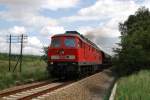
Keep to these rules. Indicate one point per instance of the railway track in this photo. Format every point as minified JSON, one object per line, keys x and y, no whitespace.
{"x":32,"y":91}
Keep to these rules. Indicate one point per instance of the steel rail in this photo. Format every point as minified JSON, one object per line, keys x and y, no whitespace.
{"x":29,"y":97}
{"x":14,"y":91}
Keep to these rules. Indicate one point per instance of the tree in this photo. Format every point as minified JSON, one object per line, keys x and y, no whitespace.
{"x":45,"y":57}
{"x":134,"y":53}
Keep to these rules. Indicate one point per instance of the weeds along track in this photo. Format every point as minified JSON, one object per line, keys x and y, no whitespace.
{"x":32,"y":91}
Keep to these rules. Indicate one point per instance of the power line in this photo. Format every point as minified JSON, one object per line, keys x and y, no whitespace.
{"x":16,"y":39}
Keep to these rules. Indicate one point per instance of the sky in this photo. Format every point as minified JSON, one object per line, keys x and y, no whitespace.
{"x":40,"y":19}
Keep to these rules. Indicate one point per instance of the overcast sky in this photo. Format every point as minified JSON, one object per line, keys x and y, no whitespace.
{"x":40,"y":19}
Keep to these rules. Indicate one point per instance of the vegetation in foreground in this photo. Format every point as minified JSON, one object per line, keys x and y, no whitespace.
{"x":33,"y":69}
{"x":134,"y":87}
{"x":134,"y":49}
{"x":132,"y":59}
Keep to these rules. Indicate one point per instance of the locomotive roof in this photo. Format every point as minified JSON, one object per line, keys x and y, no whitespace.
{"x":75,"y":33}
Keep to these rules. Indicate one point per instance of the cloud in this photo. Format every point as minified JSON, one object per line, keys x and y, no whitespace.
{"x":85,"y":29}
{"x":51,"y":30}
{"x":27,"y":12}
{"x":108,"y":13}
{"x":146,"y":3}
{"x":33,"y":51}
{"x":29,"y":19}
{"x":17,"y":30}
{"x":57,"y":4}
{"x":39,"y":21}
{"x":3,"y":44}
{"x":34,"y":42}
{"x":106,"y":9}
{"x":106,"y":32}
{"x":80,"y":18}
{"x":38,"y":4}
{"x":33,"y":46}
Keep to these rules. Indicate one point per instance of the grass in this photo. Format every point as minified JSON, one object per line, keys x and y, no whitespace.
{"x":32,"y":70}
{"x":134,"y":87}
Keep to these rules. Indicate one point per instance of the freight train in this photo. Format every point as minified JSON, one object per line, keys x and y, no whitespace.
{"x":72,"y":55}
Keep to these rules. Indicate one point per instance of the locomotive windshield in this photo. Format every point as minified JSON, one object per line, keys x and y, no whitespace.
{"x":69,"y":42}
{"x":55,"y":42}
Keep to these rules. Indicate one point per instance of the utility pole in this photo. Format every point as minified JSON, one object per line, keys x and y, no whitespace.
{"x":21,"y":52}
{"x":16,"y":39}
{"x":9,"y":52}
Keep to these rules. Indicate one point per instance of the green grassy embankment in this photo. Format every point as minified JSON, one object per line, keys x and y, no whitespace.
{"x":33,"y":69}
{"x":134,"y":87}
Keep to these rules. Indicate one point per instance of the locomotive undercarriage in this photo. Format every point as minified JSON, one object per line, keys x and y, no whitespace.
{"x":71,"y":70}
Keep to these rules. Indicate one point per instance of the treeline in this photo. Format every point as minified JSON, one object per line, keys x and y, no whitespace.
{"x":133,"y":53}
{"x":5,"y":56}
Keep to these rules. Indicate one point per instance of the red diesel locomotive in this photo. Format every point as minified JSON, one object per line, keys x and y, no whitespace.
{"x":72,"y":55}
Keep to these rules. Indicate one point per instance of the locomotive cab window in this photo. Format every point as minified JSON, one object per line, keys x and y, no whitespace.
{"x":55,"y":42}
{"x":69,"y":42}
